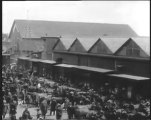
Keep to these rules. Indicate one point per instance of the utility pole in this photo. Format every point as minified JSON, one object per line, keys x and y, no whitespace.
{"x":28,"y":30}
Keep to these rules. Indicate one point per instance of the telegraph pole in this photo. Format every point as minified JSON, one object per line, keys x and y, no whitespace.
{"x":28,"y":30}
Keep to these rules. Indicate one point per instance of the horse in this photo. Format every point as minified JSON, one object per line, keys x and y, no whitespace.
{"x":81,"y":112}
{"x":44,"y":107}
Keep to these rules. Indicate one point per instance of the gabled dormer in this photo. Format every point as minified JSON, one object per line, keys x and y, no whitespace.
{"x":77,"y":47}
{"x":60,"y":47}
{"x":100,"y":48}
{"x":135,"y":47}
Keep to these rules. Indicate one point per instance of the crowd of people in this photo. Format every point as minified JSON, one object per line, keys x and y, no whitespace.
{"x":105,"y":103}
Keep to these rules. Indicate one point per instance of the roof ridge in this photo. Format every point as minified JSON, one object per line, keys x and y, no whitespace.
{"x":74,"y":29}
{"x":70,"y":22}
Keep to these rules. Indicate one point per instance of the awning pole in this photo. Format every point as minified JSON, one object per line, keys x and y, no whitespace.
{"x":115,"y":65}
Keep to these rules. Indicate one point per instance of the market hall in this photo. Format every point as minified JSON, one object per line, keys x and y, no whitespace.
{"x":103,"y":67}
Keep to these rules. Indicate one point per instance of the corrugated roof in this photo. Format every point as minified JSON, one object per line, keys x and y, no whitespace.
{"x":67,"y":41}
{"x":101,"y":70}
{"x":65,"y":65}
{"x":39,"y":29}
{"x":143,"y":43}
{"x":35,"y":60}
{"x":114,"y":43}
{"x":87,"y":43}
{"x":24,"y":58}
{"x":130,"y":76}
{"x":48,"y":61}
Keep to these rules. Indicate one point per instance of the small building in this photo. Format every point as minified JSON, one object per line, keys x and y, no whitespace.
{"x":6,"y":44}
{"x":49,"y":43}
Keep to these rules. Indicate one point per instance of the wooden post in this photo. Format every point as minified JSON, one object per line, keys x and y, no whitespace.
{"x":129,"y":92}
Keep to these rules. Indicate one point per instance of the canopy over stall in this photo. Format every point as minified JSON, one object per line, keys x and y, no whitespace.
{"x":24,"y":58}
{"x":65,"y":65}
{"x":45,"y":68}
{"x":35,"y":64}
{"x":101,"y":70}
{"x":35,"y":60}
{"x":132,"y":77}
{"x":24,"y":61}
{"x":135,"y":84}
{"x":48,"y":61}
{"x":62,"y":69}
{"x":93,"y":69}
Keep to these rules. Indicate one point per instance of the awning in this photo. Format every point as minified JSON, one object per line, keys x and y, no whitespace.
{"x":35,"y":60}
{"x":126,"y":76}
{"x":48,"y":61}
{"x":65,"y":65}
{"x":100,"y":70}
{"x":24,"y":58}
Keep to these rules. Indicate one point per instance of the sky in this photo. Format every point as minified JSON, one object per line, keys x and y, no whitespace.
{"x":134,"y":13}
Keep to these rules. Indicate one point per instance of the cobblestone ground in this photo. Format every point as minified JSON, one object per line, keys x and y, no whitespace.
{"x":33,"y":112}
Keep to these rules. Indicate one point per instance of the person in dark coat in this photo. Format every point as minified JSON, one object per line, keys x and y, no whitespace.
{"x":43,"y":107}
{"x":26,"y":114}
{"x":58,"y":111}
{"x":12,"y":111}
{"x":53,"y":107}
{"x":70,"y":111}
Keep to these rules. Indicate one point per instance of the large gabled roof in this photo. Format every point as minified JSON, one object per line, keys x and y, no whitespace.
{"x":143,"y":43}
{"x":88,"y":42}
{"x":38,"y":28}
{"x":114,"y":43}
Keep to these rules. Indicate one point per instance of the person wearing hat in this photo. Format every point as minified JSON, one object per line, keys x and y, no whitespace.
{"x":26,"y":114}
{"x":70,"y":110}
{"x":58,"y":111}
{"x":53,"y":106}
{"x":12,"y":111}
